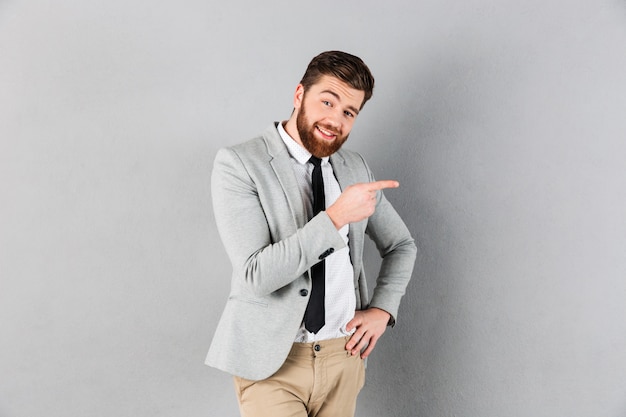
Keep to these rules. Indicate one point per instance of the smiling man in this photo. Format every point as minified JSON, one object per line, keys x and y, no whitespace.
{"x":292,"y":208}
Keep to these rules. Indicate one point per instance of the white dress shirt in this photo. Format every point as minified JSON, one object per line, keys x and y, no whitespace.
{"x":340,"y":300}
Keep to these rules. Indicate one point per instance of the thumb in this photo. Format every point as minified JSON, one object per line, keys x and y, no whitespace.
{"x":353,"y":323}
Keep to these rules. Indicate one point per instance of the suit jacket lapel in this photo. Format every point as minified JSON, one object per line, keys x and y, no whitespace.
{"x":281,"y":164}
{"x":343,"y":173}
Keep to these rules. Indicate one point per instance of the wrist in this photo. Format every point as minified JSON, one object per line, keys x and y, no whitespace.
{"x":334,"y":217}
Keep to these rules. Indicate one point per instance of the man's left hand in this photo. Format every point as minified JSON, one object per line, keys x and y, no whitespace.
{"x":370,"y":324}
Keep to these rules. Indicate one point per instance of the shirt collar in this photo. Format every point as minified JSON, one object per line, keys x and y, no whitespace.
{"x":297,"y":151}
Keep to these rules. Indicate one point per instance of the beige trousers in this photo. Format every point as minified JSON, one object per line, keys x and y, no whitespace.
{"x":318,"y":379}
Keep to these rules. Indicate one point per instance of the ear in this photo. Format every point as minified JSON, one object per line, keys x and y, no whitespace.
{"x":298,"y":96}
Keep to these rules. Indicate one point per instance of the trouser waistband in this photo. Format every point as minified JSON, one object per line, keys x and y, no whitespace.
{"x":322,"y":347}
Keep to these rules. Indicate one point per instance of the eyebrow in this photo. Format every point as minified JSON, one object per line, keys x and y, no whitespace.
{"x":332,"y":93}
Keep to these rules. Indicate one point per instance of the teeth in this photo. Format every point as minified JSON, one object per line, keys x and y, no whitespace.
{"x":326,"y":132}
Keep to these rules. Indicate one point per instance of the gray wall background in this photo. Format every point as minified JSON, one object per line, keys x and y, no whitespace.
{"x":503,"y":121}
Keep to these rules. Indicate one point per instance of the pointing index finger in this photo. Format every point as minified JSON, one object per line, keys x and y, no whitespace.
{"x":379,"y":185}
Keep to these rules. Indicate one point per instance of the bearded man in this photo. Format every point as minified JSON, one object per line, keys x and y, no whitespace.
{"x":292,"y":208}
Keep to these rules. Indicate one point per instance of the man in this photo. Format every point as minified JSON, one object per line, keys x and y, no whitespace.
{"x":292,"y":209}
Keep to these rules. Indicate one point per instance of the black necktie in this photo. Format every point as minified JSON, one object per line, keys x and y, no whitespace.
{"x":314,"y":317}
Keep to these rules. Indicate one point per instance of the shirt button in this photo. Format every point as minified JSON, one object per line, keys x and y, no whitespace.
{"x":317,"y":348}
{"x":304,"y":293}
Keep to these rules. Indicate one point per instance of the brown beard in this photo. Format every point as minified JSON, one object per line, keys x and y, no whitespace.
{"x":316,"y":146}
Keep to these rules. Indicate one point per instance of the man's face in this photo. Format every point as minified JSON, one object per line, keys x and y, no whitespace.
{"x":326,"y":113}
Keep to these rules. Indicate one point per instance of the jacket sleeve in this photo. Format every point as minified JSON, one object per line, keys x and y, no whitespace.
{"x":398,"y":252}
{"x":262,"y":262}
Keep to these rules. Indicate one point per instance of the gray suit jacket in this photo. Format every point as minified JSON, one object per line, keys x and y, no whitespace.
{"x":271,"y":244}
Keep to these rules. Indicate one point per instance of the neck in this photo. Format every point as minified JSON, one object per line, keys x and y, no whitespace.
{"x":292,"y":129}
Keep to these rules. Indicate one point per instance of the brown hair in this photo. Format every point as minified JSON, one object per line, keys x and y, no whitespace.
{"x":348,"y":68}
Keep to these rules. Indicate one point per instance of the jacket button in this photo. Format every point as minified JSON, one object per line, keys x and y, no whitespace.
{"x":304,"y":293}
{"x":326,"y":253}
{"x":317,"y":348}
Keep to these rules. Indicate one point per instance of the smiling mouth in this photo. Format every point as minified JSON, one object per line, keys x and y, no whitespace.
{"x":326,"y":134}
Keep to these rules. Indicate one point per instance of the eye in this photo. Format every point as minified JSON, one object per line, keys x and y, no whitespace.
{"x":326,"y":103}
{"x":348,"y":113}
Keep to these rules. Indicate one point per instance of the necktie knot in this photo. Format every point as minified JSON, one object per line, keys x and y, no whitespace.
{"x":317,"y":162}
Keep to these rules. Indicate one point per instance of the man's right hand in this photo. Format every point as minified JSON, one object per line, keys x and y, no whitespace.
{"x":357,"y":202}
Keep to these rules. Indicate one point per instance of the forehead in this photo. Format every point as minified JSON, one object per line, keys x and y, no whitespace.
{"x":338,"y":88}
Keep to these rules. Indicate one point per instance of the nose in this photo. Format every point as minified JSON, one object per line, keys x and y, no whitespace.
{"x":333,"y":123}
{"x":334,"y":119}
